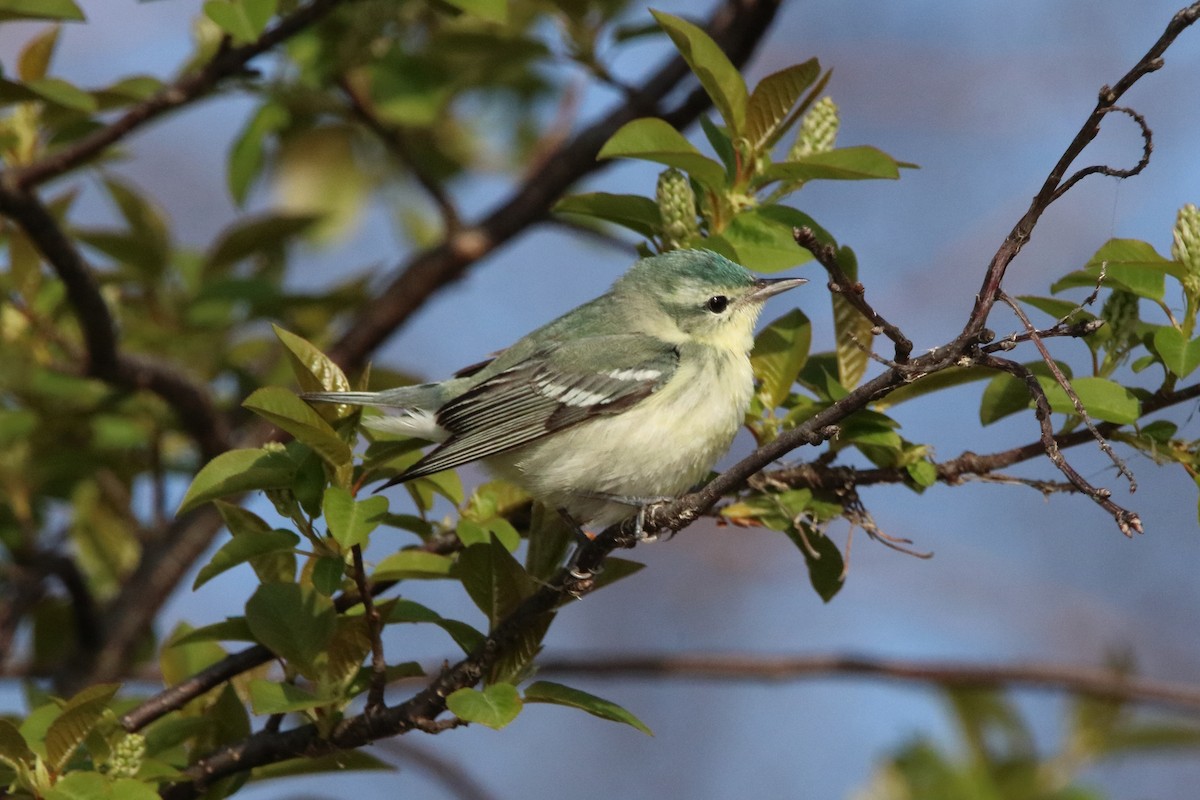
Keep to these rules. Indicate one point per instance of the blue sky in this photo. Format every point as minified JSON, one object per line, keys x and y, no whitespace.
{"x":984,"y":97}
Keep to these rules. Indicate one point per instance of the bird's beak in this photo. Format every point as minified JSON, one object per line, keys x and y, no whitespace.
{"x":769,"y":287}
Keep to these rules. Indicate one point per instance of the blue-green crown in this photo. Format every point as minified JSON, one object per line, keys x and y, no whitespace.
{"x":679,"y":267}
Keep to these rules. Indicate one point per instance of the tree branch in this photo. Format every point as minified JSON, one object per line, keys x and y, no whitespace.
{"x":853,"y":291}
{"x":1054,"y":187}
{"x":189,"y":399}
{"x":1100,"y":683}
{"x":1127,"y":521}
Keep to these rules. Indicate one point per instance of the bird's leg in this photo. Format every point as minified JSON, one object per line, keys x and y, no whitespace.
{"x":584,"y":537}
{"x":641,"y":504}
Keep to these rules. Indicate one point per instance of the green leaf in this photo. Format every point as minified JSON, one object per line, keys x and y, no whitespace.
{"x":62,"y":93}
{"x":287,"y":411}
{"x":550,"y":536}
{"x":276,"y":565}
{"x":327,"y":574}
{"x":616,"y":569}
{"x":773,"y":99}
{"x":231,"y":629}
{"x":255,"y":234}
{"x":238,"y":471}
{"x":717,"y":74}
{"x":339,"y":762}
{"x":294,"y":622}
{"x":241,"y":549}
{"x":179,"y":661}
{"x":412,"y":564}
{"x":495,"y":581}
{"x":464,"y":635}
{"x":495,"y":706}
{"x":147,"y":224}
{"x":780,"y":351}
{"x":838,"y":164}
{"x":853,"y":331}
{"x":40,"y":9}
{"x":246,"y":157}
{"x":13,"y":748}
{"x":79,"y":716}
{"x":1178,"y":354}
{"x":774,"y":511}
{"x":1103,"y":399}
{"x":243,"y":20}
{"x":314,"y":371}
{"x":936,"y":382}
{"x":826,"y":568}
{"x":269,"y":697}
{"x":409,"y":91}
{"x":762,"y":241}
{"x":35,"y":57}
{"x":1056,"y":308}
{"x":652,"y":139}
{"x":1005,"y":394}
{"x":718,"y":138}
{"x":923,"y":473}
{"x":490,"y":10}
{"x":351,"y":521}
{"x":548,"y":692}
{"x":639,"y":214}
{"x":1129,"y":264}
{"x":87,"y":785}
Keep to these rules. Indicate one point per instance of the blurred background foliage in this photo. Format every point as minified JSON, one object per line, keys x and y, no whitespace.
{"x":433,"y":111}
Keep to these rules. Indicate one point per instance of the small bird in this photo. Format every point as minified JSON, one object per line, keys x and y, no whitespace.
{"x":626,"y":400}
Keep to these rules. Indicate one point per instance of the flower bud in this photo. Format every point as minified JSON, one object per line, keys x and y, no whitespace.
{"x":1120,"y":313}
{"x":818,"y":130}
{"x":1186,"y":247}
{"x":127,"y":756}
{"x":677,"y":205}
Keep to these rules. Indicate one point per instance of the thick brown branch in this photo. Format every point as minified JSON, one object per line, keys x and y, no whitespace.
{"x":189,"y":399}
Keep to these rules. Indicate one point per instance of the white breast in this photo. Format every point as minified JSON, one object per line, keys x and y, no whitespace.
{"x":660,"y":447}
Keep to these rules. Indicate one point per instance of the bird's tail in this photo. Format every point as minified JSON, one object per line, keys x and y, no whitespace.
{"x":417,"y":404}
{"x":421,"y":396}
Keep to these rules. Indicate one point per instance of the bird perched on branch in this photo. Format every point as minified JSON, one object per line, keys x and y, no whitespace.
{"x":626,"y":400}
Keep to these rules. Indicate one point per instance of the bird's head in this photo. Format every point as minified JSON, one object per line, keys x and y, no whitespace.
{"x":699,"y":296}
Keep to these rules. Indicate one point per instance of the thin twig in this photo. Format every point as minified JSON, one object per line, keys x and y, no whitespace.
{"x":1050,"y":191}
{"x":395,"y":139}
{"x":1127,"y":521}
{"x":1076,"y":330}
{"x":374,"y":630}
{"x":1066,"y":386}
{"x":853,"y":291}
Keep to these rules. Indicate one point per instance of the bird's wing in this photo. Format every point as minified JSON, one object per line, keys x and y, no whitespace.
{"x":551,"y":390}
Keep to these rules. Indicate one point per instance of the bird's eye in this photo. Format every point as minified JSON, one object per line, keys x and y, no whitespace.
{"x":717,"y":303}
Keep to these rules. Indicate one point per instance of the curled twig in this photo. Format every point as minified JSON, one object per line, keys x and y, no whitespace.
{"x":1052,"y":187}
{"x":1103,"y":169}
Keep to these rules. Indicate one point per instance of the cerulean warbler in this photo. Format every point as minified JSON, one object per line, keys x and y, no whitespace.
{"x":627,"y":399}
